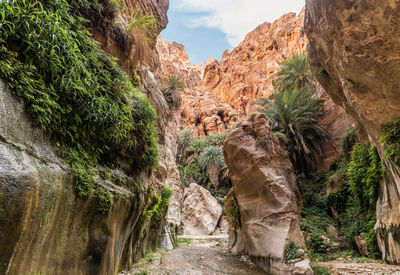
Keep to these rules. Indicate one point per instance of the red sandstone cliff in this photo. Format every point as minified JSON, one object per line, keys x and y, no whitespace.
{"x":229,"y":86}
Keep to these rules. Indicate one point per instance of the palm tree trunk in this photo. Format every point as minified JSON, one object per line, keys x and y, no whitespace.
{"x":213,"y":172}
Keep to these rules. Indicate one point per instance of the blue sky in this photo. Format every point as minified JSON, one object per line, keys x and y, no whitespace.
{"x":208,"y":27}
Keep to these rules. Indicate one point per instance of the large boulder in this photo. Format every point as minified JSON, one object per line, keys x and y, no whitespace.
{"x":302,"y":268}
{"x":265,"y":186}
{"x":200,"y":211}
{"x":355,"y":44}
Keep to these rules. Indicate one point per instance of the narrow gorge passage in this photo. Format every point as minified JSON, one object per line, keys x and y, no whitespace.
{"x":203,"y":256}
{"x":271,"y":146}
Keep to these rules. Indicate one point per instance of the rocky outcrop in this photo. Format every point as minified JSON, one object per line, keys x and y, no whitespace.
{"x":200,"y":211}
{"x":175,"y":62}
{"x":246,"y":73}
{"x":205,"y":115}
{"x":269,"y":201}
{"x":230,"y":85}
{"x":356,"y":45}
{"x":302,"y":268}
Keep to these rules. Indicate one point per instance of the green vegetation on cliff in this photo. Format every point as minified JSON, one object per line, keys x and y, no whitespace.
{"x":75,"y":91}
{"x":355,"y":177}
{"x":391,"y":139}
{"x":156,"y":208}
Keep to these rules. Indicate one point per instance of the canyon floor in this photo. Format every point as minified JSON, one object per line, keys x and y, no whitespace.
{"x":200,"y":257}
{"x":208,"y":255}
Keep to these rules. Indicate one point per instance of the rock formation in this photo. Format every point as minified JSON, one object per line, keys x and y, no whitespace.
{"x":265,"y":186}
{"x":356,"y":44}
{"x":205,"y":115}
{"x":246,"y":73}
{"x":175,"y":62}
{"x":200,"y":211}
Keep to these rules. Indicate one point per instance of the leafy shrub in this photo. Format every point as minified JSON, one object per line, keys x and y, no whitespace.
{"x":104,"y":201}
{"x":234,"y":212}
{"x":348,"y":141}
{"x":290,"y":252}
{"x":364,"y":173}
{"x":321,"y":270}
{"x":391,"y":138}
{"x":156,"y":208}
{"x":183,"y":240}
{"x":197,"y":145}
{"x":216,"y":139}
{"x":212,"y":157}
{"x":190,"y":172}
{"x":73,"y":90}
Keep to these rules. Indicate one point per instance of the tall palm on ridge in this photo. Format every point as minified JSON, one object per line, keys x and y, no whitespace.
{"x":294,"y":72}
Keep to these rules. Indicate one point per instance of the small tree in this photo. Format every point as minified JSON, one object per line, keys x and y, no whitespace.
{"x":172,"y":92}
{"x":142,"y":32}
{"x":212,"y":160}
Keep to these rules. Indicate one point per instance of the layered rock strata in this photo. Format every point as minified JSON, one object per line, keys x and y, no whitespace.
{"x":356,"y":45}
{"x":265,"y":186}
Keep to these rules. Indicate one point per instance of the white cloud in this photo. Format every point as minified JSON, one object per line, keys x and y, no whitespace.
{"x":236,"y":18}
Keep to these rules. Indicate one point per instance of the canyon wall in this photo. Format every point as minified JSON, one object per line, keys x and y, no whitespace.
{"x":44,"y":226}
{"x":356,"y":45}
{"x":229,"y":86}
{"x":245,"y":73}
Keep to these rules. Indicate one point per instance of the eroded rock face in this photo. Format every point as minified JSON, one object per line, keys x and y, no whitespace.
{"x":200,"y":211}
{"x":175,"y":62}
{"x":264,"y":182}
{"x":229,"y":86}
{"x":205,"y":115}
{"x":356,"y":44}
{"x":245,"y":73}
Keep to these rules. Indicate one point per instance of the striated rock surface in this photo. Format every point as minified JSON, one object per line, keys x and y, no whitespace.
{"x":268,"y":197}
{"x":356,"y":44}
{"x":200,"y":211}
{"x":44,"y":226}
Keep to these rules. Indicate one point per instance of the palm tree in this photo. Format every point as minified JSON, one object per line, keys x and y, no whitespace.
{"x":294,"y":72}
{"x":295,"y":113}
{"x":184,"y":139}
{"x":174,"y":83}
{"x":142,"y":32}
{"x":212,"y":160}
{"x":197,"y":145}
